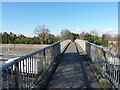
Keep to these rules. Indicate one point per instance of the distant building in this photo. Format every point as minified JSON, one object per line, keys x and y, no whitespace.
{"x":113,"y":41}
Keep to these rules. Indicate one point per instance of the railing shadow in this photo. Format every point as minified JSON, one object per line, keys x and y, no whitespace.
{"x":71,"y":73}
{"x":86,"y":80}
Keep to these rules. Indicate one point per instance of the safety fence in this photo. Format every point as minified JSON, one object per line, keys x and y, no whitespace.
{"x":106,"y":61}
{"x":25,"y":71}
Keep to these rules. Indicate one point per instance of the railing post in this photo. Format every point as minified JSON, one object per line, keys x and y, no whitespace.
{"x":104,"y":69}
{"x":53,"y":53}
{"x":104,"y":65}
{"x":1,"y":80}
{"x":17,"y":77}
{"x":44,"y":60}
{"x":119,"y":75}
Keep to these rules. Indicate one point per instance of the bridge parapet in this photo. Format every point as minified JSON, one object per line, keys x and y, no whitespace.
{"x":106,"y":61}
{"x":64,"y":43}
{"x":26,"y":70}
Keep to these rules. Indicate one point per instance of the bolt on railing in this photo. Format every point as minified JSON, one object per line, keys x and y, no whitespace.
{"x":24,"y":71}
{"x":106,"y":61}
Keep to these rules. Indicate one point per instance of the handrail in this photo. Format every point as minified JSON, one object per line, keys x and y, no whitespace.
{"x":103,"y":48}
{"x":24,"y":71}
{"x":6,"y":65}
{"x":105,"y":60}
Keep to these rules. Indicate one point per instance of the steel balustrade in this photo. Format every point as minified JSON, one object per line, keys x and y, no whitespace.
{"x":24,"y":71}
{"x":106,"y":61}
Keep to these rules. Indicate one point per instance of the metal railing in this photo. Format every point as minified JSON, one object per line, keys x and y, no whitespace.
{"x":25,"y":71}
{"x":106,"y":61}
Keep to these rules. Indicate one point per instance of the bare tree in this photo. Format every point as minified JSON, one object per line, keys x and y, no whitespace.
{"x":42,"y":32}
{"x":94,"y":33}
{"x":65,"y":34}
{"x":82,"y":34}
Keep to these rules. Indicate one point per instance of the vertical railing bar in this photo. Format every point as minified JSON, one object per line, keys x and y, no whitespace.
{"x":13,"y":68}
{"x":8,"y":74}
{"x":4,"y":75}
{"x":29,"y":72}
{"x":26,"y":73}
{"x":115,"y":77}
{"x":7,"y":78}
{"x":113,"y":71}
{"x":20,"y":75}
{"x":12,"y":76}
{"x":46,"y":55}
{"x":23,"y":75}
{"x":17,"y":75}
{"x":53,"y":53}
{"x":50,"y":56}
{"x":32,"y":70}
{"x":118,"y":77}
{"x":43,"y":62}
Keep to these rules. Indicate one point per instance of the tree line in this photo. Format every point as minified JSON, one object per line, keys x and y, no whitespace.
{"x":45,"y":37}
{"x":95,"y":38}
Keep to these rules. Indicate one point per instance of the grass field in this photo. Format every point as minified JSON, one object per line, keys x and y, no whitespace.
{"x":19,"y":48}
{"x":8,"y":51}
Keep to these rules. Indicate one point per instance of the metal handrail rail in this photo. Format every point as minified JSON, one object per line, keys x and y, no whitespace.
{"x":110,"y":74}
{"x":6,"y":65}
{"x":103,"y":59}
{"x":103,"y":48}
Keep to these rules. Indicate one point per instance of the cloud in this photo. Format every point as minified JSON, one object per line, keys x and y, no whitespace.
{"x":115,"y":32}
{"x":107,"y":30}
{"x":77,"y":30}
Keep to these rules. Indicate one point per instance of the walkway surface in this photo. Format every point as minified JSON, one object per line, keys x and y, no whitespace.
{"x":73,"y":72}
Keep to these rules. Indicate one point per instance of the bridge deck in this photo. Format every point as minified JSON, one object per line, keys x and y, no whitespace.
{"x":73,"y":72}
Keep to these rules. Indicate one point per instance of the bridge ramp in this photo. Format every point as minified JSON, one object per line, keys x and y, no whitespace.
{"x":73,"y":72}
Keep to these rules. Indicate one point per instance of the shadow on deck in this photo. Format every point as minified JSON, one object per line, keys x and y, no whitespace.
{"x":73,"y":71}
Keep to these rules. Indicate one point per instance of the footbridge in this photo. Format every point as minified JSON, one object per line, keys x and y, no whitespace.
{"x":64,"y":64}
